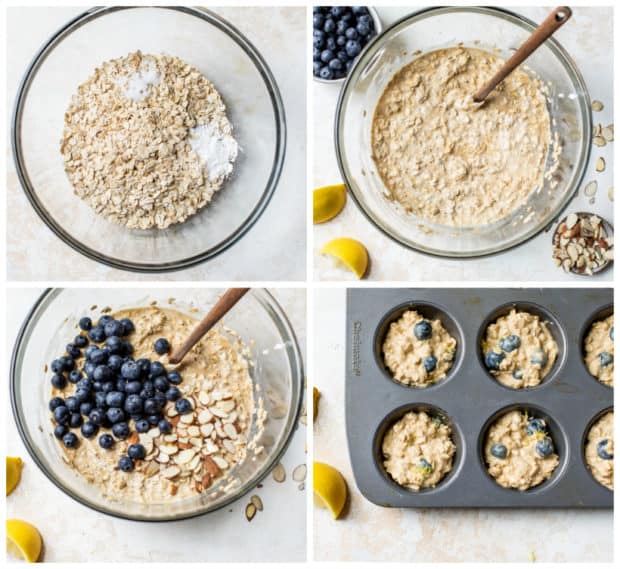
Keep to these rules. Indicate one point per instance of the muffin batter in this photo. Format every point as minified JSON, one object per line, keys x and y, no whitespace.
{"x":519,"y":452}
{"x":418,"y":451}
{"x":203,"y":445}
{"x":417,"y":351}
{"x":519,"y":350}
{"x":451,"y":161}
{"x":600,"y":450}
{"x":599,"y":349}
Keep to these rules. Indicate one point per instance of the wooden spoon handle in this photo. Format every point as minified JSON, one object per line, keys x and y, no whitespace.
{"x":552,"y":23}
{"x":222,"y":306}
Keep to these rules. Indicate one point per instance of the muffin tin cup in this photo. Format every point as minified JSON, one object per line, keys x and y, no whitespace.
{"x":567,"y":397}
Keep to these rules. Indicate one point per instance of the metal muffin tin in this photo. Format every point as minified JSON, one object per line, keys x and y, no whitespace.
{"x":470,"y":399}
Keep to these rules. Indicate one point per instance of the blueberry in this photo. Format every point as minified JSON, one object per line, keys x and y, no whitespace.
{"x":326,"y":55}
{"x":133,"y":387}
{"x":326,"y":73}
{"x":75,"y":420}
{"x":103,"y":320}
{"x":366,"y":19}
{"x":114,"y":344}
{"x":97,"y":334}
{"x":160,"y":384}
{"x":349,"y":64}
{"x":492,"y":360}
{"x":351,"y":34}
{"x":539,"y":357}
{"x":535,"y":425}
{"x":130,"y":370}
{"x":337,"y":11}
{"x":353,"y":48}
{"x":142,"y":426}
{"x":56,"y":402}
{"x":164,"y":426}
{"x":85,"y":323}
{"x":61,"y":415}
{"x":115,"y":415}
{"x":161,"y":399}
{"x":341,"y":27}
{"x":115,"y":399}
{"x":60,"y":431}
{"x":89,"y":369}
{"x":57,"y":366}
{"x":498,"y":450}
{"x":103,"y":373}
{"x":318,"y":20}
{"x":68,"y":363}
{"x":318,"y":42}
{"x":510,"y":343}
{"x":329,"y":27}
{"x":134,"y":404}
{"x":145,"y":366}
{"x":151,"y":407}
{"x":341,"y":41}
{"x":544,"y":447}
{"x":113,"y":329}
{"x":363,"y":29}
{"x":100,"y":400}
{"x":183,"y":406}
{"x":115,"y":362}
{"x":174,"y":377}
{"x":425,"y":466}
{"x":162,"y":346}
{"x":70,"y":440}
{"x":173,"y":393}
{"x":606,"y":358}
{"x":125,"y":464}
{"x":82,"y":395}
{"x":75,"y":376}
{"x":611,"y":333}
{"x":98,"y":356}
{"x":316,"y":54}
{"x":108,"y":386}
{"x":156,"y":369}
{"x":106,"y":441}
{"x":330,"y":43}
{"x":154,"y":419}
{"x":342,"y":56}
{"x":59,"y":381}
{"x":423,"y":330}
{"x":97,"y":416}
{"x":72,"y":403}
{"x":128,"y":326}
{"x":430,"y":363}
{"x":120,"y":430}
{"x":89,"y":351}
{"x":601,"y":450}
{"x":86,"y":408}
{"x":148,"y":389}
{"x":80,"y":341}
{"x":137,"y":452}
{"x":73,"y":351}
{"x":84,"y":383}
{"x":89,"y":430}
{"x":126,"y":348}
{"x":336,"y":65}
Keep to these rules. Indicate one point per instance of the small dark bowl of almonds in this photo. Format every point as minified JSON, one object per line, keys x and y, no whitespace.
{"x":583,"y":244}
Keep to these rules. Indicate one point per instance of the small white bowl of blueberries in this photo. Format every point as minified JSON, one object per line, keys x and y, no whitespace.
{"x":340,"y":34}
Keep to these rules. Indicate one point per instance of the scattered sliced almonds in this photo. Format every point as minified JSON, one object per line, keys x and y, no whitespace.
{"x":597,"y":106}
{"x":250,"y":512}
{"x":278,"y":473}
{"x":299,"y":474}
{"x":600,"y":164}
{"x":258,"y":503}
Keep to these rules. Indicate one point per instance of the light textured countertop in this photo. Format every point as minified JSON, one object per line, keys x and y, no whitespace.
{"x":274,"y":249}
{"x":588,"y":39}
{"x":372,"y":533}
{"x":74,"y":533}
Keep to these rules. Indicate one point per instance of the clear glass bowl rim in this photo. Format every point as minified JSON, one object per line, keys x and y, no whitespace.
{"x":563,"y":57}
{"x":279,"y":318}
{"x":276,"y":168}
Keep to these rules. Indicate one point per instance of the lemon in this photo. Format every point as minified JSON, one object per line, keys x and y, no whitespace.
{"x":349,"y":252}
{"x":316,"y":395}
{"x":327,"y":202}
{"x":330,"y":489}
{"x":14,"y":466}
{"x":23,"y":540}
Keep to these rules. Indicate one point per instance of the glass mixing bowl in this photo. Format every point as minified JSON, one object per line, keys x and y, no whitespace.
{"x":491,"y":29}
{"x":204,"y":40}
{"x":277,"y":376}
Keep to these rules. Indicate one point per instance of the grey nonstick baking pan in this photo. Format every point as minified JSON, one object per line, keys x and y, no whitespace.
{"x":569,"y":398}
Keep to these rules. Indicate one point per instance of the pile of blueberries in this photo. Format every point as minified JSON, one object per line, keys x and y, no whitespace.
{"x":340,"y":33}
{"x":112,"y":388}
{"x":535,"y":427}
{"x":509,"y":344}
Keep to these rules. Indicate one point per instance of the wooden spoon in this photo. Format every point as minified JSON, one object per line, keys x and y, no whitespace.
{"x":554,"y":21}
{"x":222,"y":306}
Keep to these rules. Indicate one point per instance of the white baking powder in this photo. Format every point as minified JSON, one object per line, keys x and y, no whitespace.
{"x":216,"y":150}
{"x":136,"y":87}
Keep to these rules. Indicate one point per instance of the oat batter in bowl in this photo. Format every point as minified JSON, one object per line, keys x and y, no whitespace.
{"x":417,"y":351}
{"x":599,"y":351}
{"x":453,"y":162}
{"x":200,"y":442}
{"x":519,"y":452}
{"x":519,"y":350}
{"x":599,"y":450}
{"x":418,"y":450}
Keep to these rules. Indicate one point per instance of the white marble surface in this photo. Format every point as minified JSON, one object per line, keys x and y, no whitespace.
{"x":588,"y":39}
{"x":73,"y":533}
{"x":372,"y":533}
{"x":274,"y":249}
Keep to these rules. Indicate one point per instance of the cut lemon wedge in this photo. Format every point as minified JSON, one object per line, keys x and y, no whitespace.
{"x":330,"y":488}
{"x":327,"y":202}
{"x":14,"y":466}
{"x":23,"y":540}
{"x":349,"y":252}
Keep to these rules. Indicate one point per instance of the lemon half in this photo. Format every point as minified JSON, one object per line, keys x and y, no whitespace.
{"x":330,"y":488}
{"x":23,"y":540}
{"x":349,"y":252}
{"x":14,"y":466}
{"x":327,"y":202}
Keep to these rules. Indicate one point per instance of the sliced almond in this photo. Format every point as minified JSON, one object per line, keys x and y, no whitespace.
{"x":205,"y":416}
{"x":206,"y":430}
{"x":188,"y":418}
{"x":250,"y":512}
{"x":218,"y":412}
{"x":597,"y":106}
{"x":230,"y":431}
{"x":278,"y":473}
{"x":172,"y":412}
{"x":607,"y":132}
{"x":227,"y":405}
{"x":221,"y":462}
{"x":600,"y":164}
{"x":299,"y":474}
{"x":229,"y":446}
{"x":194,"y":462}
{"x":151,"y":469}
{"x":212,"y":468}
{"x":184,"y":456}
{"x":204,"y":398}
{"x":193,"y":431}
{"x":169,"y":449}
{"x":171,"y":472}
{"x":206,"y":481}
{"x":162,"y":458}
{"x":258,"y":503}
{"x":195,"y":441}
